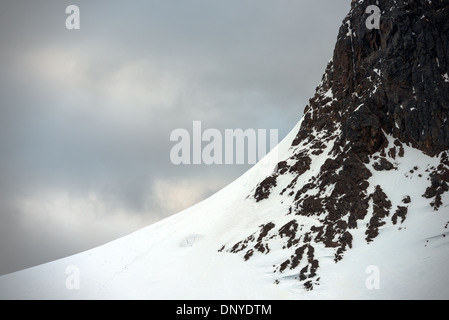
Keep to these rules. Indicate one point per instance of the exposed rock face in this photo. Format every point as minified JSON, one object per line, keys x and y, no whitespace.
{"x":408,"y":59}
{"x":382,"y":90}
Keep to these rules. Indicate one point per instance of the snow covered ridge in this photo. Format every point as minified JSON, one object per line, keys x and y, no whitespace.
{"x":362,"y":162}
{"x":352,"y":204}
{"x":340,"y":201}
{"x":179,"y":258}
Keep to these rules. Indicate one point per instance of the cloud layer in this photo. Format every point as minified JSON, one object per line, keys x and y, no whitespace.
{"x":86,"y":115}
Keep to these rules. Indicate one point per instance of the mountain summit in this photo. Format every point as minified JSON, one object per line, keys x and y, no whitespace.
{"x":353,"y":203}
{"x":385,"y":90}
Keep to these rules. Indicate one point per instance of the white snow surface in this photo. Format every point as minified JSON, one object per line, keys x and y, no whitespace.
{"x":179,"y":258}
{"x":446,"y":77}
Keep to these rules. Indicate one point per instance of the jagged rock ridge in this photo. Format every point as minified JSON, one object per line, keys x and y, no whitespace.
{"x":383,"y":91}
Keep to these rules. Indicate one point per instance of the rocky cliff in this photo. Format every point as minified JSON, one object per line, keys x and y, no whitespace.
{"x":384,"y":90}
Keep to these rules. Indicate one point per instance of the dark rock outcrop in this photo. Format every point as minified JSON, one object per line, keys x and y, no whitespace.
{"x":383,"y":89}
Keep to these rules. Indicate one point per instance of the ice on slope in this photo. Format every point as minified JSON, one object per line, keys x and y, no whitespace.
{"x":178,"y":257}
{"x":155,"y":263}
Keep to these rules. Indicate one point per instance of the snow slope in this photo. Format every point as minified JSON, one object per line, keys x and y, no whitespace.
{"x":352,"y":204}
{"x":175,"y":258}
{"x":179,"y":258}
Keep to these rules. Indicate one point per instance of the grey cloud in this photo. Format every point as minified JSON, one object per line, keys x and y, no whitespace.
{"x":86,"y":115}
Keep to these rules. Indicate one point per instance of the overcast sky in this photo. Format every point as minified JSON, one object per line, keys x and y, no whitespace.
{"x":86,"y":115}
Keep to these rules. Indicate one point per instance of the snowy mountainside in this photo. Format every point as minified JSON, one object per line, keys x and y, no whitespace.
{"x":180,"y":257}
{"x":175,"y":258}
{"x":372,"y":146}
{"x":352,"y":204}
